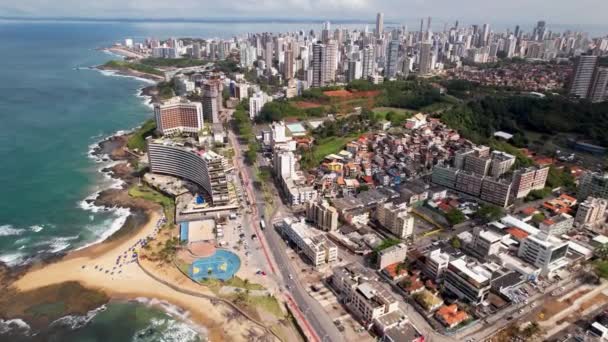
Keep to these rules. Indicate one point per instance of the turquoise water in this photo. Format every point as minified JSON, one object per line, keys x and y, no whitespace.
{"x":221,"y":265}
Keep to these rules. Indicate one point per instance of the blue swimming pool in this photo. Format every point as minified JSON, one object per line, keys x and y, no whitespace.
{"x":221,"y":265}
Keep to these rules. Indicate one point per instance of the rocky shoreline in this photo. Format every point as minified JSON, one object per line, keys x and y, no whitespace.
{"x":15,"y":304}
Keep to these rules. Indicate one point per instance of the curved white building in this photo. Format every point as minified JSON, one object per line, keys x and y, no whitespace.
{"x":204,"y":168}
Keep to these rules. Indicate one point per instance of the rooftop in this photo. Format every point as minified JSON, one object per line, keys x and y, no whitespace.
{"x":473,"y":270}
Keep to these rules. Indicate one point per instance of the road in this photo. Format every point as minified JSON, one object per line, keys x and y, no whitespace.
{"x":310,"y":311}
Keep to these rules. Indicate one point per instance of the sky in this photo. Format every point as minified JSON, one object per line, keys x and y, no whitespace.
{"x":588,"y":12}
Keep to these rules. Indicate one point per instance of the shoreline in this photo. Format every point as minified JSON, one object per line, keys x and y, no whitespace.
{"x":78,"y":266}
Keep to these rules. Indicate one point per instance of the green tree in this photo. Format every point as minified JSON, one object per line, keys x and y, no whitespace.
{"x":490,"y":213}
{"x":455,"y":242}
{"x":455,"y":216}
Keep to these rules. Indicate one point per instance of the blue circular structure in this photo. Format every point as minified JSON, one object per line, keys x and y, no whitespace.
{"x":221,"y":265}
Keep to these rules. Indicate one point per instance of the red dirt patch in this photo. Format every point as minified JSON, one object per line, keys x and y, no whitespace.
{"x":338,"y":93}
{"x":306,"y":104}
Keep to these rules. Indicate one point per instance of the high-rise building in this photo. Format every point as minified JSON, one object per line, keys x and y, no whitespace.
{"x":325,"y":32}
{"x":318,"y":55}
{"x":544,"y":251}
{"x":288,"y":64}
{"x":284,"y":164}
{"x":196,"y":50}
{"x":392,"y":54}
{"x":593,"y":184}
{"x":323,"y":215}
{"x":256,"y":103}
{"x":367,"y":62}
{"x":526,"y":180}
{"x":204,"y":168}
{"x":355,"y":70}
{"x":268,"y":54}
{"x":396,"y":219}
{"x":178,"y":116}
{"x":539,"y":31}
{"x":597,"y":92}
{"x":330,"y":62}
{"x":379,"y":25}
{"x":212,"y":100}
{"x":582,"y":78}
{"x":424,"y":59}
{"x":485,"y":35}
{"x":591,"y":211}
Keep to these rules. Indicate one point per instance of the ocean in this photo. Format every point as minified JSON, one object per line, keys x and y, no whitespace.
{"x":53,"y":114}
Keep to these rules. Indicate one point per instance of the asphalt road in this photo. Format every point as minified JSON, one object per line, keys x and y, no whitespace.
{"x":315,"y":317}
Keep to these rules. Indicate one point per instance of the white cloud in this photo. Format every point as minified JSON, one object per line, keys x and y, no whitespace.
{"x":505,"y":11}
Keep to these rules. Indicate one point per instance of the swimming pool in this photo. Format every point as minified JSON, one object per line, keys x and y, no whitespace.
{"x":221,"y":265}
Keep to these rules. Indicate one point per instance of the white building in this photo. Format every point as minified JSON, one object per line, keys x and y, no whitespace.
{"x":468,"y":280}
{"x":391,"y":255}
{"x":315,"y":245}
{"x":436,"y":263}
{"x":591,"y":211}
{"x":396,"y":219}
{"x":256,"y":103}
{"x":544,"y":251}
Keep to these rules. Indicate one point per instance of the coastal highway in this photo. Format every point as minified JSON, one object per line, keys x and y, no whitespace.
{"x":314,"y":313}
{"x":311,"y":314}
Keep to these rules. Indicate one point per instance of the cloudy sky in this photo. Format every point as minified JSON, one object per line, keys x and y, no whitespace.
{"x":587,"y":12}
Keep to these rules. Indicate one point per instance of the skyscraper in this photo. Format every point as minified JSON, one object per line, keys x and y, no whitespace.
{"x":368,"y":62}
{"x":582,"y":78}
{"x":318,"y":55}
{"x":485,"y":34}
{"x":211,"y":93}
{"x":597,"y":92}
{"x":392,"y":54}
{"x":325,"y":31}
{"x":424,"y":61}
{"x":288,"y":64}
{"x":268,"y":54}
{"x":330,"y":62}
{"x":539,"y":31}
{"x":379,"y":25}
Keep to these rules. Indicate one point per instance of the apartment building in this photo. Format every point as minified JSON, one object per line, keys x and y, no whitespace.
{"x":322,"y":215}
{"x":591,"y":211}
{"x":526,"y":180}
{"x":396,"y":219}
{"x":313,"y":244}
{"x":436,"y":263}
{"x":367,"y":299}
{"x":391,"y":255}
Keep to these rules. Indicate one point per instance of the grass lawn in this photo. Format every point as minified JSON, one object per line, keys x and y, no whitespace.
{"x":436,"y":107}
{"x":266,"y":303}
{"x":601,"y":268}
{"x":138,"y":139}
{"x":382,"y":111}
{"x":238,"y":282}
{"x":147,"y":193}
{"x":324,"y":147}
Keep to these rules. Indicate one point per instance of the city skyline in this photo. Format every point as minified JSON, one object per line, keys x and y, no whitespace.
{"x":361,"y":10}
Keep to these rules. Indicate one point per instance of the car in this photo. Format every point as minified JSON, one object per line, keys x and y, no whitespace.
{"x":291,"y":277}
{"x":263,"y":273}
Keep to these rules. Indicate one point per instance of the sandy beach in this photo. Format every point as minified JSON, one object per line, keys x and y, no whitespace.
{"x":130,"y":282}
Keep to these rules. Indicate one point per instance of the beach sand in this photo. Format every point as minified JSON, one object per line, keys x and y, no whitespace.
{"x":132,"y":282}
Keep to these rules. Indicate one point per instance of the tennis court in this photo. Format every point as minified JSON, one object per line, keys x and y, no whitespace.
{"x":221,"y":265}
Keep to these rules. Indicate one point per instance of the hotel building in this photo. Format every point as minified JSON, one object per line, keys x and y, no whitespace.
{"x":204,"y":168}
{"x":178,"y":116}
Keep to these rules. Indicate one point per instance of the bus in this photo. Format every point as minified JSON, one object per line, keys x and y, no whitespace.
{"x":262,"y":224}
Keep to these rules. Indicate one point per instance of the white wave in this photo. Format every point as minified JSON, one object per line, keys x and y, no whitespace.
{"x":108,"y":227}
{"x":117,"y":74}
{"x":36,"y":228}
{"x":13,"y":324}
{"x":75,"y":321}
{"x":8,"y":230}
{"x":147,"y":100}
{"x":170,"y":331}
{"x":13,"y":259}
{"x":182,"y":330}
{"x":21,"y":240}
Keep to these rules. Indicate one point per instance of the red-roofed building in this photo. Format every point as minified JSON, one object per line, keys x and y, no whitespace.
{"x":450,"y":316}
{"x":395,"y":271}
{"x":529,"y":211}
{"x":543,"y":161}
{"x":516,"y":233}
